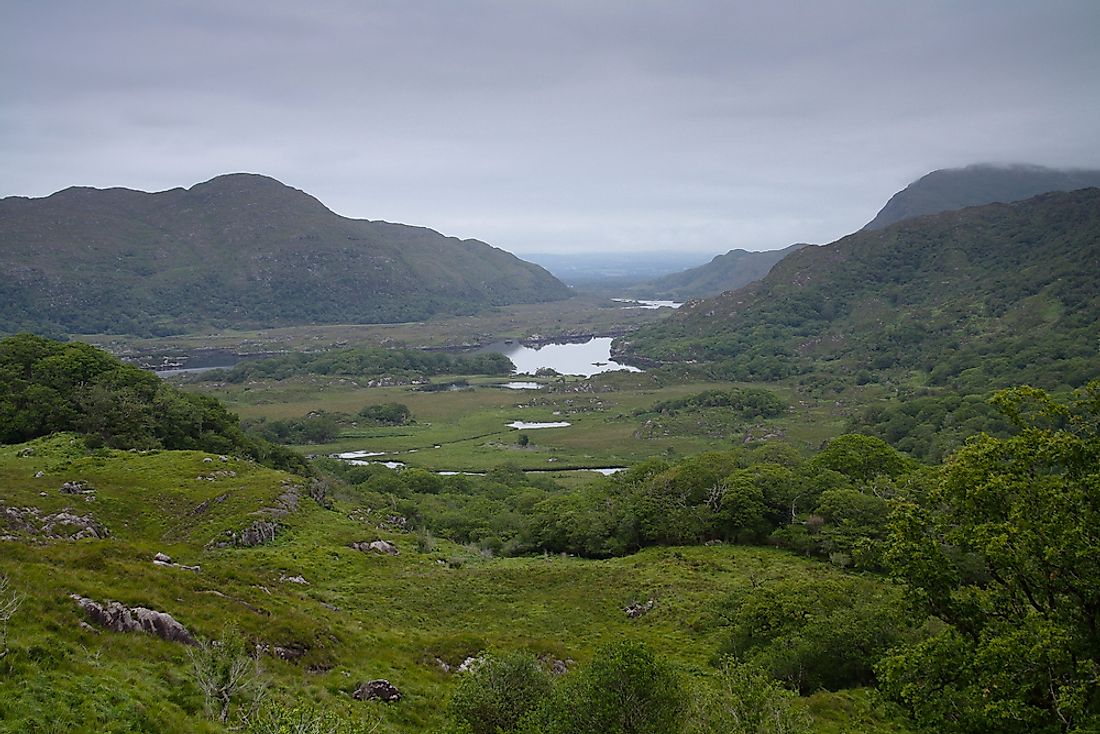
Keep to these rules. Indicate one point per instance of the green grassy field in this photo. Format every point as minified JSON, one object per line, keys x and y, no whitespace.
{"x":359,"y":616}
{"x":467,"y":430}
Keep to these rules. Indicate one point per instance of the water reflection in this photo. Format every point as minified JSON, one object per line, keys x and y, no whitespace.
{"x":582,"y":358}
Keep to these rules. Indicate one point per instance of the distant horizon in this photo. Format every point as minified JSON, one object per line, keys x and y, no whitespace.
{"x":697,"y":126}
{"x":672,"y":253}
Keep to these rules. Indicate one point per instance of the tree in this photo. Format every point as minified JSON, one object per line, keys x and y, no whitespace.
{"x":226,"y":673}
{"x":1006,"y":554}
{"x":497,"y":691}
{"x":746,"y":700}
{"x":10,"y":601}
{"x":624,"y":690}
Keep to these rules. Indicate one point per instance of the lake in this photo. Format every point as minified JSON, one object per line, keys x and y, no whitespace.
{"x":582,"y":358}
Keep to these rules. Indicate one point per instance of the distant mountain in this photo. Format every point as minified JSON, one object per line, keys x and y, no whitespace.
{"x":958,"y":188}
{"x":239,"y":250}
{"x":614,"y":269}
{"x":724,"y":273}
{"x":975,"y":298}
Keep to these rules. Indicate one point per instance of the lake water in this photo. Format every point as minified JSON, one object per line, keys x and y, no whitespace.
{"x":581,"y":358}
{"x":525,"y":426}
{"x":643,"y":303}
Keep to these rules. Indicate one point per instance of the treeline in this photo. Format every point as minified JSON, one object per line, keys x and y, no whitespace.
{"x":324,"y":426}
{"x":746,"y":403}
{"x":48,"y":386}
{"x":833,"y":505}
{"x":368,"y":362}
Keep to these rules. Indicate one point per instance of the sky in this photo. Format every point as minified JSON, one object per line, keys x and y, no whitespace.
{"x":567,"y":126}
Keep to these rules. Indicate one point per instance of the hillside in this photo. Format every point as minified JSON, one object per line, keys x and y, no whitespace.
{"x":725,"y":272}
{"x":958,"y":188}
{"x":240,"y":250}
{"x":975,"y":298}
{"x":321,"y":616}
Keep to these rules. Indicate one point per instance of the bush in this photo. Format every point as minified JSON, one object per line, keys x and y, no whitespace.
{"x":624,"y":690}
{"x":497,"y":691}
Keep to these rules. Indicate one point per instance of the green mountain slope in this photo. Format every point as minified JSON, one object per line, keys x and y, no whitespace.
{"x":725,"y":272}
{"x":974,"y":298}
{"x":957,"y":188}
{"x":239,"y":250}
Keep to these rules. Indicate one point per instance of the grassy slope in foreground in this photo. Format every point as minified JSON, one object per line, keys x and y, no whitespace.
{"x":359,"y":617}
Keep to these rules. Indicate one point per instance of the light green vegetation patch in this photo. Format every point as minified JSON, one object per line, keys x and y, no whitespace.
{"x":359,"y":615}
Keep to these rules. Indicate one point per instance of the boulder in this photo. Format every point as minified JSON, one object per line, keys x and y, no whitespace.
{"x":377,"y":690}
{"x":637,"y":609}
{"x":378,"y":546}
{"x":114,"y":616}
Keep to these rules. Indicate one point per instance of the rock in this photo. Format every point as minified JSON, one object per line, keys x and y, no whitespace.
{"x":291,"y":653}
{"x":561,"y":667}
{"x":378,"y":546}
{"x":294,"y":580}
{"x":636,"y":609}
{"x":65,"y":525}
{"x":258,"y":533}
{"x":77,"y":487}
{"x":162,"y":560}
{"x":377,"y":690}
{"x":207,"y":460}
{"x":114,"y":616}
{"x":468,"y":664}
{"x":39,"y":474}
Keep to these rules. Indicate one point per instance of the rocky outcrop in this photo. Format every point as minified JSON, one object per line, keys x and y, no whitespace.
{"x":378,"y":546}
{"x":377,"y":690}
{"x":637,"y":609}
{"x":258,"y":533}
{"x":29,"y":522}
{"x":162,"y":559}
{"x":114,"y":616}
{"x":77,"y":487}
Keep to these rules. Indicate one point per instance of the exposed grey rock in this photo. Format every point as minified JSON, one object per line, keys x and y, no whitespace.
{"x":292,"y":652}
{"x":160,"y":559}
{"x":114,"y":616}
{"x":377,"y":690}
{"x":469,"y":663}
{"x":258,"y":533}
{"x":207,"y":460}
{"x":637,"y":609}
{"x":39,"y":474}
{"x":378,"y":546}
{"x":77,"y":487}
{"x":294,"y":580}
{"x":560,"y":667}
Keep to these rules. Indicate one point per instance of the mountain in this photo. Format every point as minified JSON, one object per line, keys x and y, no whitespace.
{"x":974,"y":298}
{"x":958,"y":188}
{"x":239,"y":250}
{"x":724,"y":273}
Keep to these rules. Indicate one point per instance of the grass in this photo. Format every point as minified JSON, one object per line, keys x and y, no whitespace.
{"x":610,"y":422}
{"x":361,"y":616}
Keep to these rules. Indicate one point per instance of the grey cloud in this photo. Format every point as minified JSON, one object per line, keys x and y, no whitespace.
{"x":551,"y":125}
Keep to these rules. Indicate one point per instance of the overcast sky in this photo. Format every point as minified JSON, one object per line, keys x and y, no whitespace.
{"x":553,"y":125}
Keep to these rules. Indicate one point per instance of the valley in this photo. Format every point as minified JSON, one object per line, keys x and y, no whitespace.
{"x":782,"y":486}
